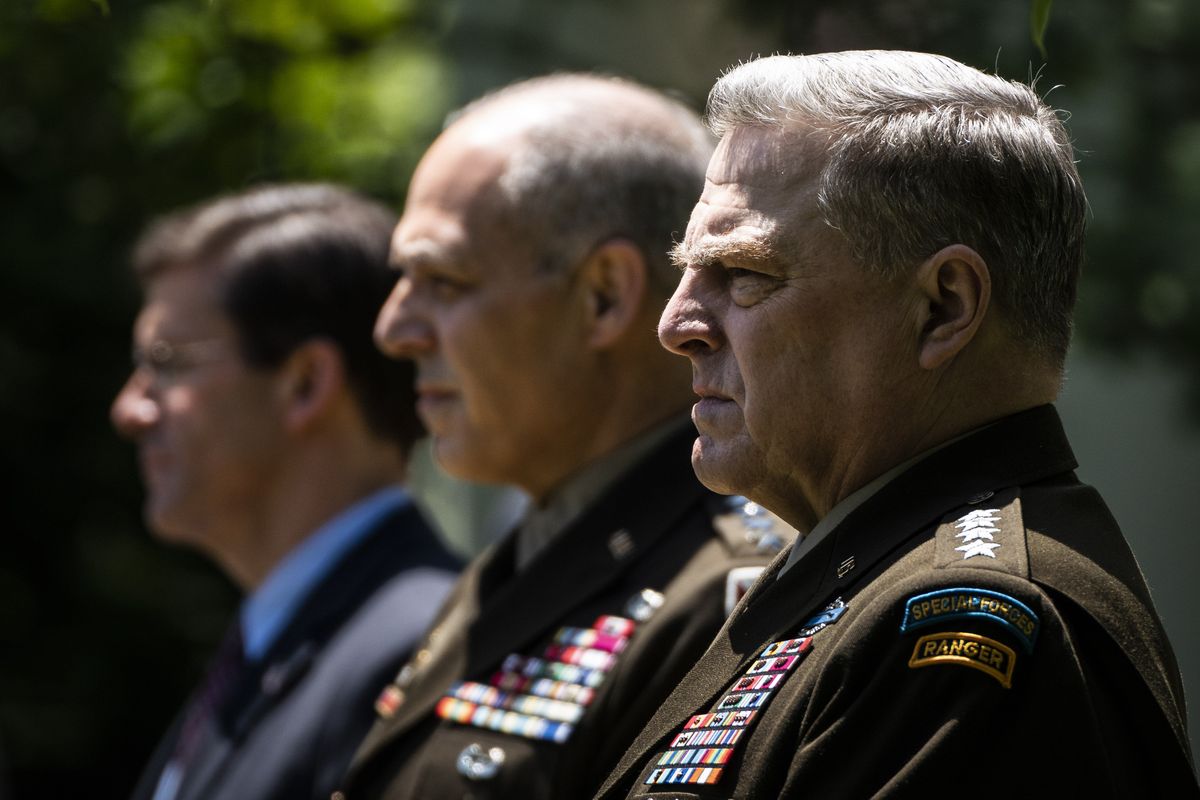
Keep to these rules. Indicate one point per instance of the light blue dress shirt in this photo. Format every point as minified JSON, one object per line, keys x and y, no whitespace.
{"x":266,"y":612}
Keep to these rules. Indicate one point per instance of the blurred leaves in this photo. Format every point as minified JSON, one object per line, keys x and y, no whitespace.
{"x":343,"y":91}
{"x":1039,"y":18}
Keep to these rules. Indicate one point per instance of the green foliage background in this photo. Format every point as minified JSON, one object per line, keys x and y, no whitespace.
{"x":113,"y":112}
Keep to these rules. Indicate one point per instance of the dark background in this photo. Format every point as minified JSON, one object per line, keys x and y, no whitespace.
{"x":113,"y":112}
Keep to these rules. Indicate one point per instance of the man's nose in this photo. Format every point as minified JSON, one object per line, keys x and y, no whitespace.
{"x":687,"y":325}
{"x":401,"y":331}
{"x":134,"y":410}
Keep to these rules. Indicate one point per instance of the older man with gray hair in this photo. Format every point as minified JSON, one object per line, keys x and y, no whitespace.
{"x":877,"y":300}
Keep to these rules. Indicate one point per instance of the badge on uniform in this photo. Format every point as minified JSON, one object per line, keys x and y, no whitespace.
{"x":827,"y":617}
{"x":699,"y":752}
{"x":964,"y":603}
{"x":389,"y":701}
{"x":984,"y":537}
{"x":544,"y":696}
{"x":737,"y":583}
{"x":976,"y":529}
{"x":967,"y":650}
{"x":969,"y":605}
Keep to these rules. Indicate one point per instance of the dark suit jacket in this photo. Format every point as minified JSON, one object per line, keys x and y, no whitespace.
{"x":291,"y":724}
{"x":986,"y":633}
{"x":657,"y":529}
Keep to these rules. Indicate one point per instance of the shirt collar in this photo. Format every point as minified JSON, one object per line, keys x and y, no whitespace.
{"x":266,"y":612}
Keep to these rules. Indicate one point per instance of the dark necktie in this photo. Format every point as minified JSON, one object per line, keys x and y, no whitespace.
{"x":224,"y":670}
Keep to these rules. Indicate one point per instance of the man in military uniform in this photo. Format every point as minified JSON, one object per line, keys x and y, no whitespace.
{"x":533,"y":254}
{"x":879,"y":280}
{"x":273,"y":437}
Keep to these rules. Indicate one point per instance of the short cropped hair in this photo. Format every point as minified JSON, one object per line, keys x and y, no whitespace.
{"x":297,"y":262}
{"x":585,"y":174}
{"x":926,"y":152}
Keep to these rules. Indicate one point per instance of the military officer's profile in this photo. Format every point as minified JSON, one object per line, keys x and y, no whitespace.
{"x":878,"y":287}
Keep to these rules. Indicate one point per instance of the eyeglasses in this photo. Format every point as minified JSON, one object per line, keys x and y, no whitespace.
{"x":167,"y":362}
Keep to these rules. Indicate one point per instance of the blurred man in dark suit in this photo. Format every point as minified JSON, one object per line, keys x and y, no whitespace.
{"x":273,"y":437}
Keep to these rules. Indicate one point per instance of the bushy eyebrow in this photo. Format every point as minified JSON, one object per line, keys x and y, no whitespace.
{"x":749,"y":251}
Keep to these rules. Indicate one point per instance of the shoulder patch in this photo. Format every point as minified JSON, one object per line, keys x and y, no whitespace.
{"x":964,"y":603}
{"x":966,"y":650}
{"x":989,"y":534}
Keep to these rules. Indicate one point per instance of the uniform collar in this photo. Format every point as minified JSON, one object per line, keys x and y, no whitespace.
{"x":850,"y":503}
{"x":1018,"y":449}
{"x":568,"y":502}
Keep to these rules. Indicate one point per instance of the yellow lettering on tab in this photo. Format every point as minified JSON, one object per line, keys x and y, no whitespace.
{"x":966,"y":650}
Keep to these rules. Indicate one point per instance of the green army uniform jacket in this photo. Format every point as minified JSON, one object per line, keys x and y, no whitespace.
{"x":977,"y":628}
{"x":531,"y":684}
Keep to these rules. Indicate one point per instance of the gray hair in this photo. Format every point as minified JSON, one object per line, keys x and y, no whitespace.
{"x":603,"y":158}
{"x":926,"y":152}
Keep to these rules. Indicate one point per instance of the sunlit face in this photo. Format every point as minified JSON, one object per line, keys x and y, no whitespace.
{"x":496,"y":340}
{"x":797,"y":354}
{"x":206,"y":426}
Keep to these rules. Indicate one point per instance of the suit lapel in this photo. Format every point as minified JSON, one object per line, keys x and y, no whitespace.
{"x":213,"y":750}
{"x":400,"y":540}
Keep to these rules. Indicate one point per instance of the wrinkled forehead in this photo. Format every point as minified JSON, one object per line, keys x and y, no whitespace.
{"x":768,"y":163}
{"x":761,"y":186}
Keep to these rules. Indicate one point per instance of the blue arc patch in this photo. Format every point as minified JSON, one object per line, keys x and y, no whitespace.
{"x":963,"y":603}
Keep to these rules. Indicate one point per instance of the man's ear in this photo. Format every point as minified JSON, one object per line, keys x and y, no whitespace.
{"x":957,"y":289}
{"x":311,"y":379}
{"x":613,"y":279}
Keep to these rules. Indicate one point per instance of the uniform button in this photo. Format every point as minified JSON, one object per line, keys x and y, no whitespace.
{"x":423,"y":656}
{"x":477,"y":764}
